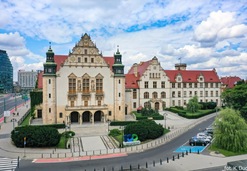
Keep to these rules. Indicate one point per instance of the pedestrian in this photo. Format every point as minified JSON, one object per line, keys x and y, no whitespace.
{"x":17,"y":113}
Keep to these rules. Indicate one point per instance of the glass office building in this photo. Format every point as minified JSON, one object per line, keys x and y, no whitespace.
{"x":6,"y":73}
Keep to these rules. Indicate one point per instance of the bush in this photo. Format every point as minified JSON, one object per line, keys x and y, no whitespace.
{"x":36,"y":136}
{"x":121,"y":123}
{"x":145,"y":129}
{"x":68,"y":134}
{"x":115,"y":132}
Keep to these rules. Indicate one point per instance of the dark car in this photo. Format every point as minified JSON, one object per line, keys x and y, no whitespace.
{"x":194,"y":141}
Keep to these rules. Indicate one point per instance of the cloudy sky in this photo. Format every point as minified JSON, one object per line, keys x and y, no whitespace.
{"x":205,"y":34}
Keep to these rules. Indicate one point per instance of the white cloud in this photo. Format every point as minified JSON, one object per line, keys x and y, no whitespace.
{"x":219,"y":26}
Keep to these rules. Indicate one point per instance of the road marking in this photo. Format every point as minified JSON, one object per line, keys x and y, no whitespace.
{"x":71,"y":159}
{"x":8,"y":164}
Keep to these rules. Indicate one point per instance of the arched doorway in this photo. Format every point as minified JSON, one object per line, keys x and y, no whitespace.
{"x":97,"y":116}
{"x":74,"y":117}
{"x":86,"y":116}
{"x":157,"y":106}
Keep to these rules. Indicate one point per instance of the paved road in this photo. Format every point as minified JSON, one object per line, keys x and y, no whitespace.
{"x":161,"y":152}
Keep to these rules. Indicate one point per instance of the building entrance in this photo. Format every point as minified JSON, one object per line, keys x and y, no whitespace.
{"x":97,"y":116}
{"x":74,"y":117}
{"x":86,"y":116}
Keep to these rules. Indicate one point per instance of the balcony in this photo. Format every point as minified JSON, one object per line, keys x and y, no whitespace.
{"x":99,"y":93}
{"x":85,"y":93}
{"x":72,"y":94}
{"x":89,"y":107}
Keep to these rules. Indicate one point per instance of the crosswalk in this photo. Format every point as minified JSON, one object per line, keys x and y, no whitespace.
{"x":7,"y":164}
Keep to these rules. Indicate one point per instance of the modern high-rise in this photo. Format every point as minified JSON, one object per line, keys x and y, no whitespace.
{"x":27,"y":79}
{"x":6,"y":73}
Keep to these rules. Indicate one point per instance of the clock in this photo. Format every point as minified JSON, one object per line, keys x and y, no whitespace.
{"x":72,"y":59}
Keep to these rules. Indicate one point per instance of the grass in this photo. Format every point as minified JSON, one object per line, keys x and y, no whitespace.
{"x":62,"y":143}
{"x":26,"y":120}
{"x":200,"y":112}
{"x":225,"y":152}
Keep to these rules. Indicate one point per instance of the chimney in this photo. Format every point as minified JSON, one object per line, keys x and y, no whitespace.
{"x":135,"y":69}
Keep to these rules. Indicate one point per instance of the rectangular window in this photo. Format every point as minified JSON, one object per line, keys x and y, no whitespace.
{"x":217,"y":93}
{"x":190,"y":93}
{"x":173,"y":85}
{"x":49,"y":81}
{"x":190,"y":85}
{"x":212,"y":85}
{"x":163,"y":84}
{"x":154,"y":84}
{"x":206,"y":93}
{"x":119,"y":107}
{"x":134,"y":94}
{"x":92,"y":60}
{"x":195,"y":93}
{"x":119,"y":81}
{"x":109,"y":113}
{"x":99,"y":102}
{"x":85,"y":85}
{"x":179,"y":85}
{"x":72,"y":104}
{"x":173,"y":102}
{"x":179,"y":102}
{"x":201,"y":85}
{"x":60,"y":115}
{"x":184,"y":85}
{"x":134,"y":105}
{"x":179,"y":93}
{"x":184,"y":102}
{"x":185,"y":94}
{"x":212,"y":93}
{"x":195,"y":85}
{"x":99,"y":85}
{"x":85,"y":103}
{"x":119,"y":94}
{"x":49,"y":95}
{"x":201,"y":93}
{"x":49,"y":110}
{"x":146,"y":84}
{"x":72,"y":85}
{"x":206,"y":85}
{"x":173,"y":94}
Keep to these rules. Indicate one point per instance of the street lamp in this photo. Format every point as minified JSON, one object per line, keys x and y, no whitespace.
{"x":165,"y":120}
{"x":122,"y":128}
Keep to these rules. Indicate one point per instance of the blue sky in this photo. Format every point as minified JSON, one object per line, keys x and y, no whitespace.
{"x":206,"y":34}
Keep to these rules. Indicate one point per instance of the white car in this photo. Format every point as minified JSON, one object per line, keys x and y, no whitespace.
{"x":203,"y":135}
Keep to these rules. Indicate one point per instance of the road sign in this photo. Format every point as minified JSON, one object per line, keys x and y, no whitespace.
{"x":6,"y":113}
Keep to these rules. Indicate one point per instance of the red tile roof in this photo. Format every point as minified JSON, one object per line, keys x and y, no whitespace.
{"x":131,"y":81}
{"x":59,"y":60}
{"x":109,"y":61}
{"x":40,"y":80}
{"x":141,"y":67}
{"x":192,"y":75}
{"x":230,"y":81}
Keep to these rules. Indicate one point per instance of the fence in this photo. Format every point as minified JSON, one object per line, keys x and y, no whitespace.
{"x":23,"y":117}
{"x":53,"y":153}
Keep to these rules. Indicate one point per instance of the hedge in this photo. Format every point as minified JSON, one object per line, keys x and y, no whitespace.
{"x":195,"y":116}
{"x":36,"y":136}
{"x":121,"y":123}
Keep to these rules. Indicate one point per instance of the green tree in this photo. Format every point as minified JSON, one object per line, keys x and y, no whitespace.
{"x":193,"y":105}
{"x":230,"y":131}
{"x":236,"y":98}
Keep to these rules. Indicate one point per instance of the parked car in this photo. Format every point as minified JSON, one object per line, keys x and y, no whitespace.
{"x":194,"y":141}
{"x":209,"y":130}
{"x":204,"y":135}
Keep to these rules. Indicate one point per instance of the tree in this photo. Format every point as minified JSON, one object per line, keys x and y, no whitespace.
{"x":236,"y":98}
{"x":230,"y":131}
{"x":193,"y":105}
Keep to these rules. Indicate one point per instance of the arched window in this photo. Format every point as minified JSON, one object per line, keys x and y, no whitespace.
{"x":146,"y":95}
{"x":163,"y":95}
{"x":147,"y":105}
{"x":155,"y":95}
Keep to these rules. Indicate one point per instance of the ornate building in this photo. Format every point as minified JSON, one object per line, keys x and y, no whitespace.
{"x":83,"y":86}
{"x":148,"y":84}
{"x":87,"y":87}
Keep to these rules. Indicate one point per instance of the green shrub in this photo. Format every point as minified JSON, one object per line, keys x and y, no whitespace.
{"x":115,"y":132}
{"x":68,"y":133}
{"x":145,"y":129}
{"x":121,"y":123}
{"x":36,"y":136}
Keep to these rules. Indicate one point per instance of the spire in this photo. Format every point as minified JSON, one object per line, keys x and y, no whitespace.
{"x":117,"y":50}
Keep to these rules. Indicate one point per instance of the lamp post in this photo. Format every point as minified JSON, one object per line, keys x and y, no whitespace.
{"x":165,"y":120}
{"x":4,"y":108}
{"x":122,"y":128}
{"x":13,"y":120}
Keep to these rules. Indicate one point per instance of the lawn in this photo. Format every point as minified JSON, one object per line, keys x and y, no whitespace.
{"x":62,"y":143}
{"x":26,"y":120}
{"x":225,"y":152}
